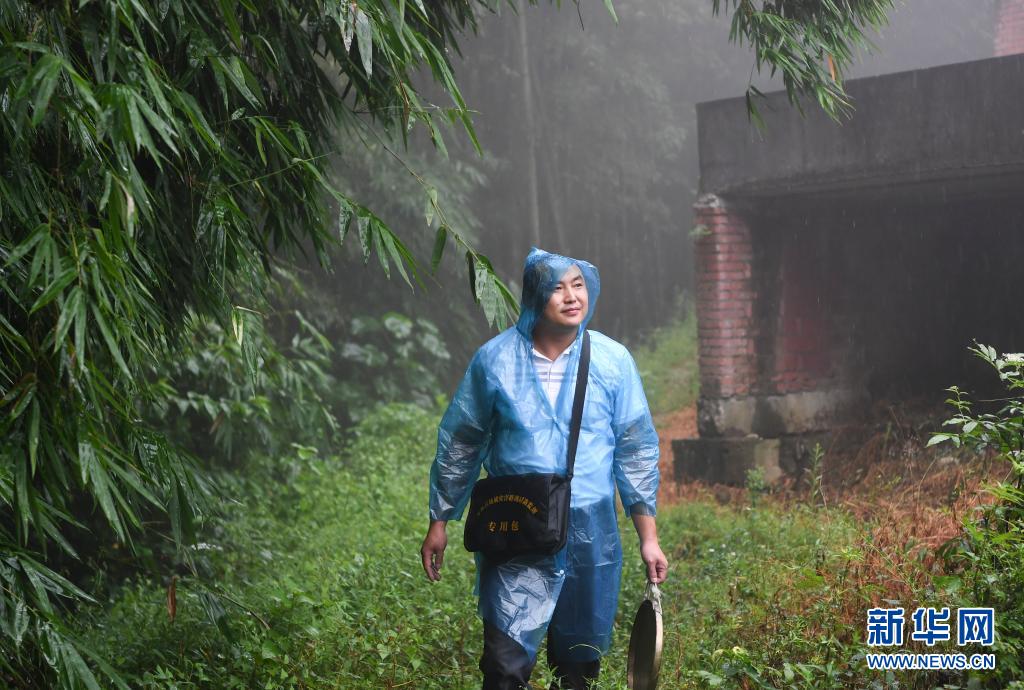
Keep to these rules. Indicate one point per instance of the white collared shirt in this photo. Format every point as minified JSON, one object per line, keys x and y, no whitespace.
{"x":552,"y":373}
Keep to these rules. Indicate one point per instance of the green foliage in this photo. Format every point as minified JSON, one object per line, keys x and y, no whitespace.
{"x":159,"y":157}
{"x":317,"y":568}
{"x":226,"y":395}
{"x":810,"y":43}
{"x":391,"y":359}
{"x":318,"y":574}
{"x":815,"y":474}
{"x":762,"y":599}
{"x":668,"y":365}
{"x":756,"y":484}
{"x":339,"y":302}
{"x":986,"y":561}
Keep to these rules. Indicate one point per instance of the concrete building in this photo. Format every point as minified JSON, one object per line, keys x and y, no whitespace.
{"x":839,"y":264}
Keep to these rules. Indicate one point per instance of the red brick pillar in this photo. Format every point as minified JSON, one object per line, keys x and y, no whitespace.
{"x":725,"y":301}
{"x":1010,"y":28}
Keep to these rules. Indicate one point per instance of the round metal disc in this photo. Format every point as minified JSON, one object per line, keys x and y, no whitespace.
{"x":644,"y":649}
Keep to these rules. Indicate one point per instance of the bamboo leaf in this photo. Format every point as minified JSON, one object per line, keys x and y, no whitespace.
{"x":21,"y":396}
{"x":397,"y":254}
{"x":471,"y":265}
{"x":174,"y":508}
{"x":22,"y":503}
{"x":14,"y":335}
{"x":347,"y":24}
{"x":86,"y":457}
{"x":216,"y":614}
{"x":53,"y":532}
{"x":102,"y":489}
{"x":82,"y":673}
{"x":378,"y":246}
{"x":227,"y":12}
{"x":257,"y":130}
{"x":108,"y":337}
{"x":345,"y":216}
{"x":32,"y":573}
{"x":112,"y":675}
{"x":139,"y":130}
{"x":238,"y":325}
{"x":439,"y":242}
{"x":38,"y":233}
{"x":240,"y":77}
{"x":67,"y":317}
{"x":436,"y":138}
{"x":41,"y":260}
{"x":19,"y":625}
{"x":431,"y":205}
{"x":611,"y":10}
{"x":467,"y":124}
{"x":33,"y":436}
{"x":487,"y":291}
{"x":364,"y":234}
{"x":80,"y":331}
{"x":54,"y":289}
{"x":156,"y":89}
{"x":161,"y":127}
{"x":44,"y":78}
{"x":364,"y":39}
{"x":44,"y":579}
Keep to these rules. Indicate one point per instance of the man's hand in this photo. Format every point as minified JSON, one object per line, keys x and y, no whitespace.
{"x":433,"y":548}
{"x":650,"y":550}
{"x":654,"y":559}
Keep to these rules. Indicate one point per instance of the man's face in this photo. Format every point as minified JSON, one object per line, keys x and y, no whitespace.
{"x":567,"y":305}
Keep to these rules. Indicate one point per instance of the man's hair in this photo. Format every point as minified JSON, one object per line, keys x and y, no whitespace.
{"x":539,"y":283}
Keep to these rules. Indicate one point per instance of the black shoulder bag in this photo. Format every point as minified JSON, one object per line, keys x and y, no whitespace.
{"x":527,"y":514}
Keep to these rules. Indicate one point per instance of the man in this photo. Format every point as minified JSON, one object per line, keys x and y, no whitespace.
{"x":511,"y":415}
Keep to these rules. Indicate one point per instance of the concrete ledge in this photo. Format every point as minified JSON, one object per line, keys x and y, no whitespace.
{"x":777,"y":415}
{"x":726,"y":460}
{"x":890,"y":140}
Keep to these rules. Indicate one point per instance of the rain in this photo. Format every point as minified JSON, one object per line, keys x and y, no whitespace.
{"x":310,"y":308}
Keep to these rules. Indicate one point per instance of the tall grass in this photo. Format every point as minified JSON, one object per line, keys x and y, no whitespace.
{"x":667,"y":360}
{"x":310,"y":578}
{"x":317,"y":559}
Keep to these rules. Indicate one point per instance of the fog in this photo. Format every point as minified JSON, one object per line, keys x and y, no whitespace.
{"x":590,"y":148}
{"x":589,"y":130}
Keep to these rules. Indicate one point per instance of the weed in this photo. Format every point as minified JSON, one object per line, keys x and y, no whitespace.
{"x":985,"y":563}
{"x":668,"y":364}
{"x":756,"y":484}
{"x":815,"y":474}
{"x":316,"y":580}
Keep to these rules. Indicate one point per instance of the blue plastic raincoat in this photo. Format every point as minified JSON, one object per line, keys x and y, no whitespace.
{"x":501,"y":419}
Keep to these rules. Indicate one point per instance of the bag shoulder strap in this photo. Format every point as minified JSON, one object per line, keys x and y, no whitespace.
{"x":582,"y":374}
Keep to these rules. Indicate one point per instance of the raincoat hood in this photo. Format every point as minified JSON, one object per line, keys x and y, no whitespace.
{"x":541,"y":274}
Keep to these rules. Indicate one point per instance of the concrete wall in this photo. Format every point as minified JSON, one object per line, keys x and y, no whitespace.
{"x":944,"y":123}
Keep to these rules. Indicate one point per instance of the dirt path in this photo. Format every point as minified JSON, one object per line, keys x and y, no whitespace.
{"x":679,"y":424}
